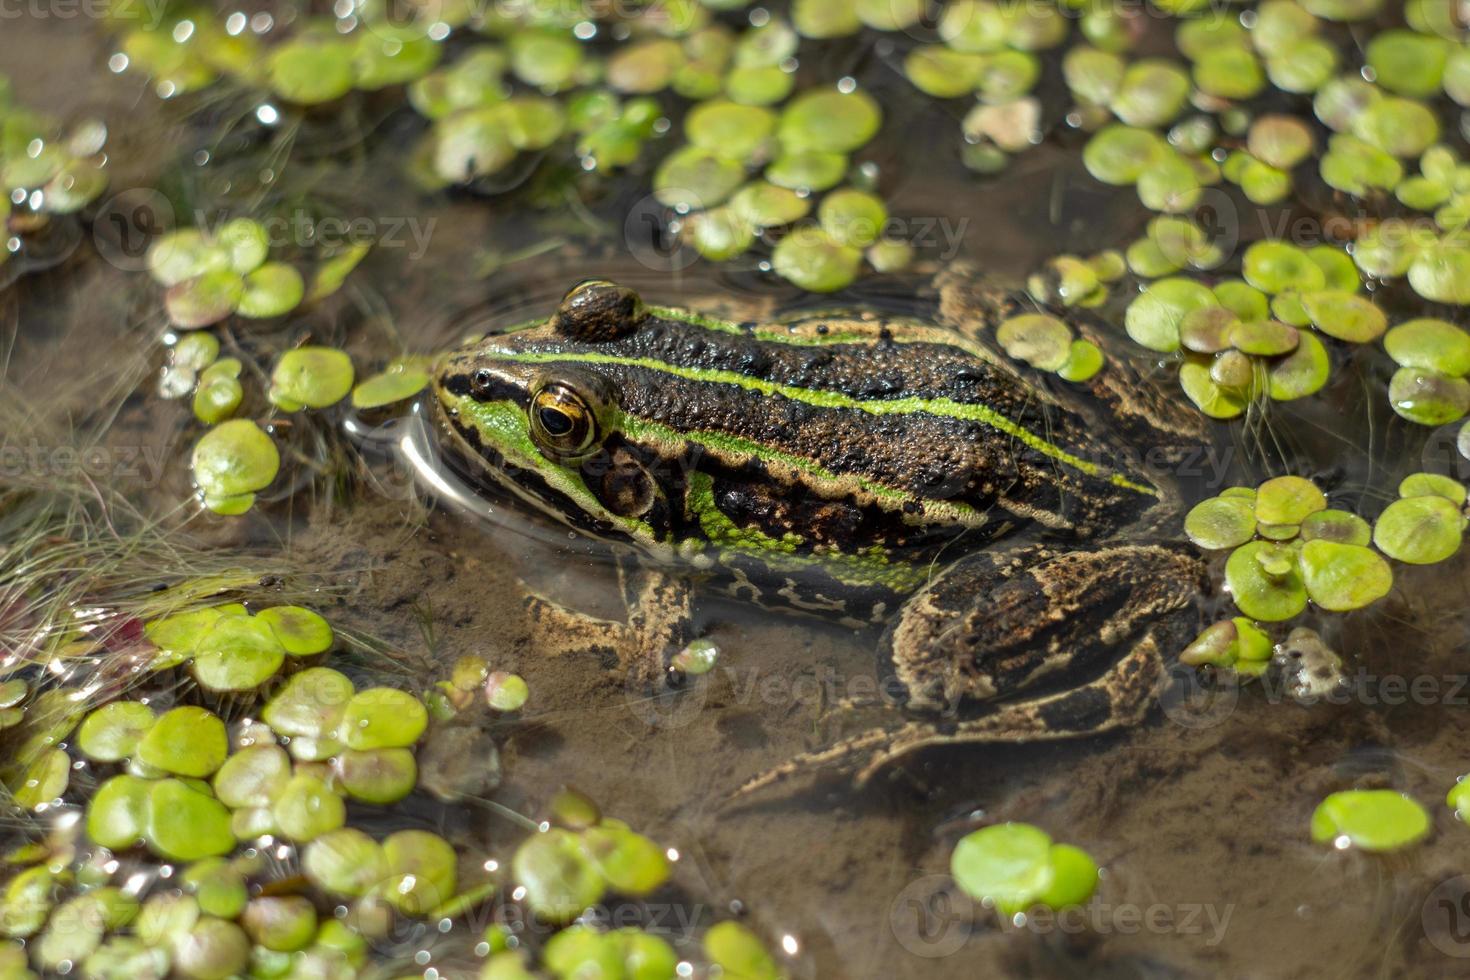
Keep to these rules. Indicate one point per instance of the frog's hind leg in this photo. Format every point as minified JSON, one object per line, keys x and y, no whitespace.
{"x":659,"y":623}
{"x":1119,"y":698}
{"x":1063,"y":644}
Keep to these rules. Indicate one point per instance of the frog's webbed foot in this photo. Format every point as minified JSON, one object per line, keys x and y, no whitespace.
{"x":658,"y":625}
{"x":1012,"y":628}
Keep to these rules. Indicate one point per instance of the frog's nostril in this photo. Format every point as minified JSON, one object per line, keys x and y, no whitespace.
{"x":480,"y":381}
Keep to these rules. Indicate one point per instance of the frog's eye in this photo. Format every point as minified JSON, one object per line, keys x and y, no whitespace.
{"x":562,"y":420}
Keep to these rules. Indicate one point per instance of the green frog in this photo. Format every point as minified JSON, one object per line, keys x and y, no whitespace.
{"x":858,"y":466}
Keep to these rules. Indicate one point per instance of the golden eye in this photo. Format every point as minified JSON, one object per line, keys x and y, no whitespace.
{"x":562,"y":422}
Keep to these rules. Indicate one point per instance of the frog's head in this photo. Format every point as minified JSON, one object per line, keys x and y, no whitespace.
{"x":542,"y":419}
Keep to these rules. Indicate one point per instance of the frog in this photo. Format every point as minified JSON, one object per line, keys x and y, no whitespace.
{"x":996,"y":523}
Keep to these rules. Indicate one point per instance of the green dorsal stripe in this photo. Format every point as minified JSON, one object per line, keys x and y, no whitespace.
{"x":819,"y":398}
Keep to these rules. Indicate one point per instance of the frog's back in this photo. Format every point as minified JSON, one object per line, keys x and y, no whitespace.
{"x":854,"y":449}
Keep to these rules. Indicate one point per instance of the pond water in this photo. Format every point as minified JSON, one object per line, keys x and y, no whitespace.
{"x":1199,"y":817}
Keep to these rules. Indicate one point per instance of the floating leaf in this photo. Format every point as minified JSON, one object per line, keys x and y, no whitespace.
{"x":1221,"y":522}
{"x":185,"y":824}
{"x":238,"y":653}
{"x":307,"y":808}
{"x":1419,"y":530}
{"x":272,"y":290}
{"x":1341,"y":577}
{"x":829,"y":121}
{"x":345,"y":862}
{"x":1265,"y":581}
{"x":812,"y":260}
{"x":559,"y":880}
{"x":300,"y":631}
{"x":234,"y":459}
{"x":382,"y":718}
{"x":1288,"y":500}
{"x":185,"y":741}
{"x":1370,"y":819}
{"x":1008,"y":865}
{"x":1430,"y":344}
{"x":313,"y":377}
{"x":111,"y":733}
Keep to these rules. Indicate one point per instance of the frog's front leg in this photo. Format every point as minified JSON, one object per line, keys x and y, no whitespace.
{"x":659,"y":624}
{"x":1060,"y":644}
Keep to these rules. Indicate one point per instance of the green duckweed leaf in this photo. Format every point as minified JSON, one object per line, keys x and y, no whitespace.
{"x":1433,"y":485}
{"x":1341,"y":577}
{"x":1221,"y":522}
{"x":314,"y":377}
{"x":309,"y":72}
{"x":1154,"y":318}
{"x":300,"y":631}
{"x":1419,"y":530}
{"x":283,"y":923}
{"x":695,"y":178}
{"x":185,"y":741}
{"x":252,"y":777}
{"x":631,"y":863}
{"x":1288,"y":500}
{"x":810,"y":258}
{"x":111,"y":733}
{"x":381,"y":776}
{"x":1336,"y":525}
{"x":1007,"y":865}
{"x":311,"y":705}
{"x":238,"y":653}
{"x":739,"y":952}
{"x":272,"y":290}
{"x":1370,"y":819}
{"x":1430,"y":344}
{"x":234,"y":458}
{"x":43,"y":781}
{"x":307,"y":808}
{"x":829,"y":121}
{"x":185,"y":824}
{"x":399,"y":382}
{"x":1302,"y":372}
{"x":382,"y":718}
{"x":852,"y":217}
{"x":560,"y":881}
{"x":345,"y":862}
{"x":1265,"y":581}
{"x":1428,"y":397}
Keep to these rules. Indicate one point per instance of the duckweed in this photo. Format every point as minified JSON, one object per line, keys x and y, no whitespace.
{"x":1420,"y":530}
{"x":1013,"y":866}
{"x":210,"y":275}
{"x":1236,"y":643}
{"x":311,"y":377}
{"x":400,"y":382}
{"x":1369,"y":819}
{"x":506,"y":692}
{"x":1433,"y":355}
